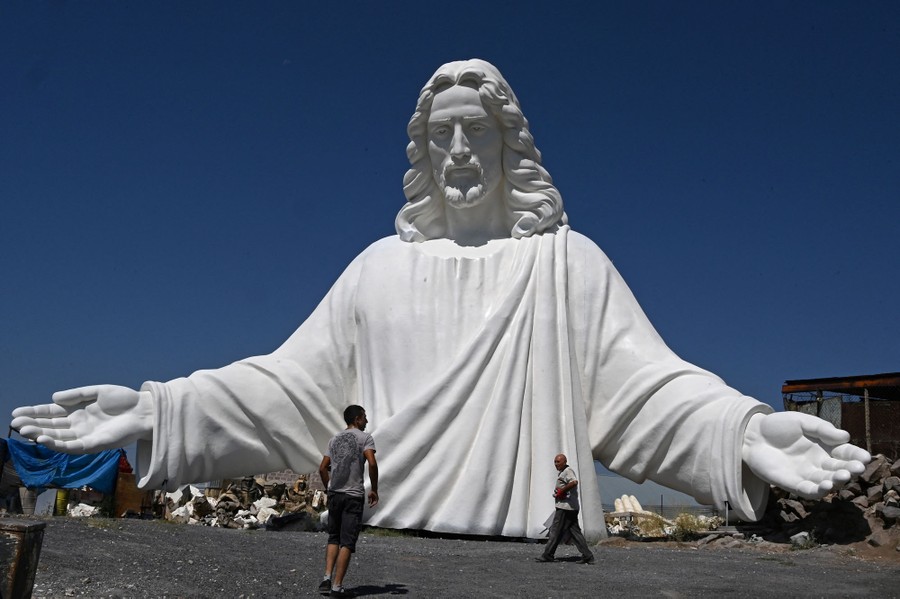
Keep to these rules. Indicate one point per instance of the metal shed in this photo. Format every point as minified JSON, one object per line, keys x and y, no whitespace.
{"x":866,"y":406}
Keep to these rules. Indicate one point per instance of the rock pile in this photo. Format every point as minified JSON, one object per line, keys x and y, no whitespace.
{"x":866,"y":509}
{"x":249,"y":503}
{"x":631,"y":520}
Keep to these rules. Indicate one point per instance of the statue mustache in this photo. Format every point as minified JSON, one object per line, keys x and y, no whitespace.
{"x":451,"y":168}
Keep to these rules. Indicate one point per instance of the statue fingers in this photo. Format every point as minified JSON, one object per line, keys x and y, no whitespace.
{"x":841,"y":477}
{"x":824,"y":431}
{"x":832,"y":465}
{"x":38,"y":433}
{"x":27,"y":429}
{"x":52,"y":423}
{"x":814,"y":490}
{"x":63,"y":446}
{"x":78,"y":395}
{"x":51,"y":410}
{"x":835,"y":471}
{"x":842,"y":468}
{"x":855,"y":457}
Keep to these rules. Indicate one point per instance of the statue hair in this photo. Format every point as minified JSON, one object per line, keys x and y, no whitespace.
{"x":535,"y":204}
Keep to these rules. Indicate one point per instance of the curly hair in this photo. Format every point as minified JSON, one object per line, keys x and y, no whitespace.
{"x":534,"y":202}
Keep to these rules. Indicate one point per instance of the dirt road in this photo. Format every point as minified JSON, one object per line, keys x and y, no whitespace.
{"x":135,"y":558}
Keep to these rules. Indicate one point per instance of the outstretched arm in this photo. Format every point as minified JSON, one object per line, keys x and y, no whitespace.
{"x":801,"y":453}
{"x":88,"y":419}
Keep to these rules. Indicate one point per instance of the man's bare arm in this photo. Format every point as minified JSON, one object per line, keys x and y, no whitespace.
{"x":325,"y":470}
{"x":373,"y":476}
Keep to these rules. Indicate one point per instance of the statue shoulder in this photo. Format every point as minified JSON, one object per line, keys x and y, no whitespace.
{"x":583,"y":249}
{"x":391,"y":243}
{"x":377,"y":253}
{"x":383,"y":249}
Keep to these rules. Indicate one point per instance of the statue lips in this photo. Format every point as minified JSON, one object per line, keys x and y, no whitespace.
{"x":456,"y":172}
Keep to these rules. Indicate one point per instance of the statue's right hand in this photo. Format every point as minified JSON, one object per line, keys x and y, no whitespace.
{"x":88,"y":419}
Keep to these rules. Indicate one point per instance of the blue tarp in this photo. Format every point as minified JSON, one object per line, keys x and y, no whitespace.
{"x":40,"y":467}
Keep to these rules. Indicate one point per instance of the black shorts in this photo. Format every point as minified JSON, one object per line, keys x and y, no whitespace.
{"x":344,"y":519}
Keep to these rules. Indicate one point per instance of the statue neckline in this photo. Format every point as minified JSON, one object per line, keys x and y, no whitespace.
{"x":447,"y":248}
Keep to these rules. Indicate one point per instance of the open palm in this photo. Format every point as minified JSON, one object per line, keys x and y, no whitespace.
{"x":88,"y":419}
{"x":801,"y":453}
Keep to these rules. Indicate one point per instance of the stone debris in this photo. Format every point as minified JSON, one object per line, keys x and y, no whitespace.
{"x":630,"y":519}
{"x":251,"y":502}
{"x":82,"y":510}
{"x":866,"y":509}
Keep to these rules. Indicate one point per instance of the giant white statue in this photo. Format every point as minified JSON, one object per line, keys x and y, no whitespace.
{"x":484,"y":338}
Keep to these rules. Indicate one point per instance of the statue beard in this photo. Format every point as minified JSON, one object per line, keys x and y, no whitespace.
{"x":462,"y":195}
{"x":462,"y":198}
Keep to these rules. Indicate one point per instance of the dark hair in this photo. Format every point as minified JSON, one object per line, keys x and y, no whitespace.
{"x":352,"y":413}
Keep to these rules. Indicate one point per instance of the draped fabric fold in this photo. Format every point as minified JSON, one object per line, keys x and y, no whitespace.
{"x":471,"y":453}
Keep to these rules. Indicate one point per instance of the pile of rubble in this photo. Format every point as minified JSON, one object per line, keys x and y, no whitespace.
{"x":629,"y":515}
{"x":866,"y":509}
{"x":631,"y":520}
{"x":250,"y":503}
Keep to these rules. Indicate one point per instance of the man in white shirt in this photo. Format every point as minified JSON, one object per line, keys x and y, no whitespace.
{"x":565,"y":519}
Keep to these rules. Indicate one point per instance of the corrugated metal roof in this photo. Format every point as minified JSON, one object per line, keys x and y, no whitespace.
{"x":881,"y":386}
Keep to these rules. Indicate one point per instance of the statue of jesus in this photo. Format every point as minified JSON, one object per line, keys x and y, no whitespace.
{"x":483,"y":338}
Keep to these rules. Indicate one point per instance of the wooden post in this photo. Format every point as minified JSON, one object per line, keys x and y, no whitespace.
{"x":20,"y":550}
{"x":868,"y":424}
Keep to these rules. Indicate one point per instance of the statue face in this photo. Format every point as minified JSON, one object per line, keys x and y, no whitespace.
{"x":465,"y":144}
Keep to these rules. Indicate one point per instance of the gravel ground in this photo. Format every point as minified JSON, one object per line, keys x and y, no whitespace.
{"x":139,"y":558}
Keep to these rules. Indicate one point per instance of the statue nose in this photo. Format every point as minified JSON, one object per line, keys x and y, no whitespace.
{"x":459,"y":147}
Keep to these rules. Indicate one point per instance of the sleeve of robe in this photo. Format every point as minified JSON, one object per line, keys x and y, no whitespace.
{"x":651,"y":415}
{"x":260,"y":414}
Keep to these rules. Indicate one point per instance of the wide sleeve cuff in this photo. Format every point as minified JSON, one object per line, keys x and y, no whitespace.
{"x":745,"y":493}
{"x":151,"y":468}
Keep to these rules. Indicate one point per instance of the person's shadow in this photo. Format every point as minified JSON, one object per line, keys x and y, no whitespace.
{"x":568,"y":558}
{"x":389,"y":589}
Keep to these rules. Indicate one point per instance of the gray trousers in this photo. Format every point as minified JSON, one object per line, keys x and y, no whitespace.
{"x":566,"y":522}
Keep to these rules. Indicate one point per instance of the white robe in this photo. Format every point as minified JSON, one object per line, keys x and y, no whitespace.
{"x":476,"y":367}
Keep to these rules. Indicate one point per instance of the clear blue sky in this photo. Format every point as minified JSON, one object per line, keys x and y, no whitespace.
{"x":181,"y":182}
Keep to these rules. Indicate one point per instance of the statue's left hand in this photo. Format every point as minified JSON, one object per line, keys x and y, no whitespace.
{"x":801,"y":454}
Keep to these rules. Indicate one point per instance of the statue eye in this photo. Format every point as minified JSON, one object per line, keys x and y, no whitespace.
{"x":441,"y":131}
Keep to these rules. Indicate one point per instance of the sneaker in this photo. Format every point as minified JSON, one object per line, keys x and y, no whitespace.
{"x":325,"y":586}
{"x":342,"y":592}
{"x":544,"y":559}
{"x":587,"y":560}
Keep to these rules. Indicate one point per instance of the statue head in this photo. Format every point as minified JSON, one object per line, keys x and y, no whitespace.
{"x":533,"y":203}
